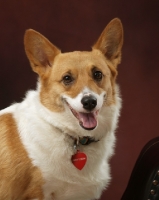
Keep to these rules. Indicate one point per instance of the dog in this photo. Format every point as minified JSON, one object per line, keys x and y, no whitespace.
{"x":56,"y":144}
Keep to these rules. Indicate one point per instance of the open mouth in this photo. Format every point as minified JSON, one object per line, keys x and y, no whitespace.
{"x":87,"y":121}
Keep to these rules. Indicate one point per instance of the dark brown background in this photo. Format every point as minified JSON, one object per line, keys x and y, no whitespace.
{"x":76,"y":25}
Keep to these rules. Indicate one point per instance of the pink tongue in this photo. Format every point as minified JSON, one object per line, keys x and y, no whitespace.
{"x":88,"y":120}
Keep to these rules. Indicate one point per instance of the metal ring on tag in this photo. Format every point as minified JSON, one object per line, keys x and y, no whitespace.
{"x":76,"y":145}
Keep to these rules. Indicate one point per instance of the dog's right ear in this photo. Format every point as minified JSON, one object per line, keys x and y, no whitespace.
{"x":40,"y":51}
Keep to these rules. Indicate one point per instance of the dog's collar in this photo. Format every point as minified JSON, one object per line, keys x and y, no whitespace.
{"x":86,"y":140}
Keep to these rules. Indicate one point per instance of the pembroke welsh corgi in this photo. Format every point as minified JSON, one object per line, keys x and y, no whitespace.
{"x":56,"y":144}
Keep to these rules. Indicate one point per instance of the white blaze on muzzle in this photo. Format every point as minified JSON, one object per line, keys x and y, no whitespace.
{"x":85,"y":107}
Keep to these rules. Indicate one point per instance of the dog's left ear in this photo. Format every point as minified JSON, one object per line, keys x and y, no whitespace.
{"x":40,"y":51}
{"x":110,"y":41}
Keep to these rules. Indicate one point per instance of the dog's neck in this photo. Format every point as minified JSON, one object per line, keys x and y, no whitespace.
{"x":86,"y":140}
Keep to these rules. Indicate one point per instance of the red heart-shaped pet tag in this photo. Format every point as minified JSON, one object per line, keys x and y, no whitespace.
{"x":79,"y":160}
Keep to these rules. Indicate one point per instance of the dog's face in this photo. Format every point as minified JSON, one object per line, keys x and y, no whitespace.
{"x":81,"y":82}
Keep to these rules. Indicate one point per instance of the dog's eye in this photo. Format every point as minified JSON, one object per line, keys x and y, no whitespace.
{"x":97,"y":75}
{"x":67,"y":80}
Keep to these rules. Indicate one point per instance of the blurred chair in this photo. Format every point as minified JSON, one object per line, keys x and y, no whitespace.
{"x":144,"y":180}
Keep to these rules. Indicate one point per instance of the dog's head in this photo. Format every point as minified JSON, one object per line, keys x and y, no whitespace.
{"x":81,"y":82}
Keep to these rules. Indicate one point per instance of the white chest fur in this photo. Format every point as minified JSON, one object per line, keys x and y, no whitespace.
{"x":46,"y":140}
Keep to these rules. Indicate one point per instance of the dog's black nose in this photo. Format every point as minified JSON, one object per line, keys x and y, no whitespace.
{"x":89,"y":102}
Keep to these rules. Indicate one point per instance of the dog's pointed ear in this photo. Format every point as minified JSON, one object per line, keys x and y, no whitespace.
{"x":40,"y":51}
{"x":110,"y":41}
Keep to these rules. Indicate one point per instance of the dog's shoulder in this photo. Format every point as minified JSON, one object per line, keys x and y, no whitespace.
{"x":21,"y":171}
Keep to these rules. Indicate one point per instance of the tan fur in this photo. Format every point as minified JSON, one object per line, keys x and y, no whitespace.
{"x":19,"y":179}
{"x":80,"y":73}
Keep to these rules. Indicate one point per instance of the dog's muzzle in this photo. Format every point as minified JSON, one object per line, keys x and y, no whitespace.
{"x":88,"y":118}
